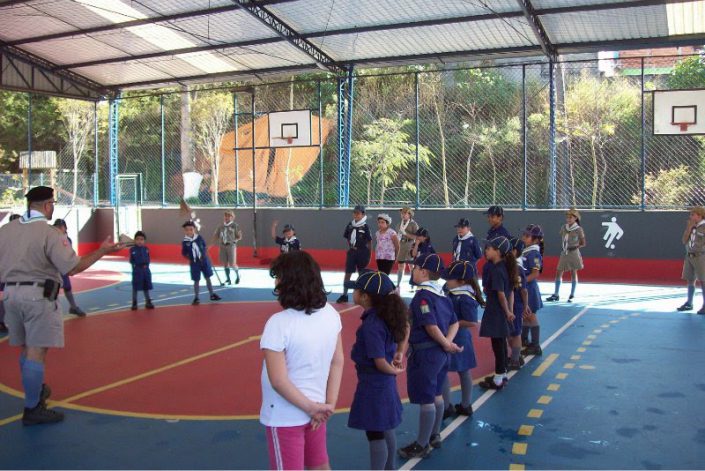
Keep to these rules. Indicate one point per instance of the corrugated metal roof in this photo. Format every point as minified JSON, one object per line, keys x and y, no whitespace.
{"x":111,"y":44}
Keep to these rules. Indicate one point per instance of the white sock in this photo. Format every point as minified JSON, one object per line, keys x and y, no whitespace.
{"x":498,"y":379}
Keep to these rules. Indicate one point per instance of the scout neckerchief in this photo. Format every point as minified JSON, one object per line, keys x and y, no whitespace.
{"x":195,"y":249}
{"x":432,"y":287}
{"x":32,"y":216}
{"x":224,"y":232}
{"x":568,"y":230}
{"x":691,"y":243}
{"x":403,"y":225}
{"x":355,"y":224}
{"x":465,"y":290}
{"x":456,"y":254}
{"x":285,"y":247}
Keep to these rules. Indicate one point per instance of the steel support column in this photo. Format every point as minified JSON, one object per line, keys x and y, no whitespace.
{"x":113,"y":125}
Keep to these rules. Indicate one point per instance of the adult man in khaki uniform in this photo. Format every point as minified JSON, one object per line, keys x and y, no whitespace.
{"x":227,"y":235}
{"x":694,"y":263}
{"x":33,"y":255}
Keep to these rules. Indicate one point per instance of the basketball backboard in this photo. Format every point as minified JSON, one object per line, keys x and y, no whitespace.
{"x":679,"y":112}
{"x":290,"y":128}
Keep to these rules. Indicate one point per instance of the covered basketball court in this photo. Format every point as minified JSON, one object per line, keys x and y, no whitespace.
{"x":178,"y":387}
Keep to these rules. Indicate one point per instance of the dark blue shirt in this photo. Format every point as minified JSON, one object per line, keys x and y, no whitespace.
{"x":469,"y":249}
{"x":425,"y":248}
{"x":139,"y":256}
{"x":495,"y":279}
{"x":373,"y":339}
{"x":362,"y":238}
{"x":498,"y":231}
{"x":428,"y":308}
{"x":188,"y":253}
{"x":287,"y":245}
{"x":465,"y":306}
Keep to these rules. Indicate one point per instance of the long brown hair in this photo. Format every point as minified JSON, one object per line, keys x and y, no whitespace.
{"x":510,"y":262}
{"x":298,"y":282}
{"x":393,"y":311}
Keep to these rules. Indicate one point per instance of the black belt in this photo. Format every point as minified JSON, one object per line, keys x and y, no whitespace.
{"x":414,"y":347}
{"x":39,"y":284}
{"x":695,"y":254}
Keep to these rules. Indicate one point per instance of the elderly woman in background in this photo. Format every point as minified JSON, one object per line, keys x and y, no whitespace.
{"x":407,"y":235}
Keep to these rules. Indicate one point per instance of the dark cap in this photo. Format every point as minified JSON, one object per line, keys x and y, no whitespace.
{"x":421,"y":231}
{"x":359,"y":208}
{"x":59,"y":223}
{"x":495,"y":211}
{"x":463,"y":222}
{"x":140,"y":234}
{"x":40,"y":193}
{"x":288,"y":227}
{"x":517,"y":243}
{"x":534,"y":230}
{"x":460,"y":270}
{"x":375,"y":282}
{"x":431,"y":262}
{"x":500,"y":243}
{"x":188,"y":224}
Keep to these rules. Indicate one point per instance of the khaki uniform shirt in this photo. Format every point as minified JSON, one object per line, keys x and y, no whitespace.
{"x":227,"y":234}
{"x":34,"y":251}
{"x":696,"y":242}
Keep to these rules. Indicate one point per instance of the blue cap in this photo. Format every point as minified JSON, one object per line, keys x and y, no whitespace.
{"x":460,"y":270}
{"x":517,"y":243}
{"x":39,"y":193}
{"x":500,"y":243}
{"x":423,"y":232}
{"x":431,"y":262}
{"x":495,"y":211}
{"x":288,"y":227}
{"x":375,"y":282}
{"x":533,"y":230}
{"x":360,"y":208}
{"x":463,"y":222}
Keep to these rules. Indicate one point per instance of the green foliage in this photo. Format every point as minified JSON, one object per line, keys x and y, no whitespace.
{"x":669,"y":187}
{"x":688,"y":73}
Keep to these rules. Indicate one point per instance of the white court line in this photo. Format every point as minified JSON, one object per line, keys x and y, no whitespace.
{"x":487,"y":394}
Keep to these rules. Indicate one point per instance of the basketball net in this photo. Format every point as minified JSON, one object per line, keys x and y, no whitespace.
{"x":683,"y":126}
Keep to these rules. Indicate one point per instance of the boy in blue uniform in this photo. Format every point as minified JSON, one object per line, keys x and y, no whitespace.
{"x":433,"y":328}
{"x":194,"y":249}
{"x":463,"y":291}
{"x":60,"y":224}
{"x":495,"y":218}
{"x":532,"y":257}
{"x":422,"y":246}
{"x":380,"y":343}
{"x":465,"y":244}
{"x":289,"y":242}
{"x":141,"y":274}
{"x":359,"y":238}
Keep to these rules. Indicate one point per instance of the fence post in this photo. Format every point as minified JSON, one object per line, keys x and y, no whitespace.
{"x":320,"y":145}
{"x":254,"y":180}
{"x":29,"y":141}
{"x":524,"y":136}
{"x":643,"y":140}
{"x":552,"y":136}
{"x":161,"y":112}
{"x":346,"y":97}
{"x":416,"y":116}
{"x":237,"y":150}
{"x":96,"y":173}
{"x":113,"y":124}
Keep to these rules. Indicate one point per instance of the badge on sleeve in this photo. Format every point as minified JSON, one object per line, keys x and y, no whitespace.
{"x":424,"y":307}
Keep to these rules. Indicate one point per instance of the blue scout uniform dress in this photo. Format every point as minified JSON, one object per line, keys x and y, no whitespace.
{"x":494,"y":321}
{"x":141,"y":274}
{"x":198,"y":258}
{"x":469,"y":249}
{"x":358,"y":255}
{"x":287,"y":245}
{"x":518,"y":308}
{"x":465,"y":308}
{"x":376,"y":405}
{"x":428,"y":363}
{"x":533,"y":261}
{"x":65,"y":279}
{"x":491,"y":234}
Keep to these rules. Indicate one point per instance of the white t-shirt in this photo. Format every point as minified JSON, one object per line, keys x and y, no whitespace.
{"x":308,"y":343}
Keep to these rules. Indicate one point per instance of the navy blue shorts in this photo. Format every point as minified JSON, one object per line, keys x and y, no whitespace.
{"x":425,"y":374}
{"x":356,"y":260}
{"x":202,"y":267}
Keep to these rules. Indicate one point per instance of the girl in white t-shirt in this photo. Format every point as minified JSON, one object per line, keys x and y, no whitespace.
{"x":303,"y":365}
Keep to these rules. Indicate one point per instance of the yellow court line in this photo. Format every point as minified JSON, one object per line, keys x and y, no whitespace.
{"x":569,"y":366}
{"x":605,"y":326}
{"x":535,"y":413}
{"x":9,"y":420}
{"x":526,"y":430}
{"x":614,"y":322}
{"x":586,"y":367}
{"x":597,"y":331}
{"x":553,"y":387}
{"x":561,"y":375}
{"x":519,"y":448}
{"x":575,"y":357}
{"x":516,"y":467}
{"x":592,"y":337}
{"x":581,"y":349}
{"x":545,"y":400}
{"x":545,"y":364}
{"x":587,"y":342}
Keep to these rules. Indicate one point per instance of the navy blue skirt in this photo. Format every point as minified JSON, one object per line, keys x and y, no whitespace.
{"x":141,"y":278}
{"x":376,"y":406}
{"x":464,"y":360}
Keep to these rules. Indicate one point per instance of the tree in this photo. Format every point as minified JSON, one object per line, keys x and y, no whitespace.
{"x":383,"y":152}
{"x":77,"y":118}
{"x":688,"y":73}
{"x":435,"y":98}
{"x":669,"y":187}
{"x":212,"y":113}
{"x":492,"y":137}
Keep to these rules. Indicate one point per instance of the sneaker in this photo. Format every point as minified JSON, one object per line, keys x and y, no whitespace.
{"x":460,"y":410}
{"x":685,"y":307}
{"x":553,"y":297}
{"x":149,"y":305}
{"x":195,"y":302}
{"x":570,"y":298}
{"x":228,"y":282}
{"x":702,"y":311}
{"x":485,"y":384}
{"x":3,"y":328}
{"x":490,"y":379}
{"x":237,"y":277}
{"x":215,"y":297}
{"x":134,"y":307}
{"x":45,"y":394}
{"x":449,"y":412}
{"x":344,"y":299}
{"x":415,"y":450}
{"x":41,"y":415}
{"x":435,"y":440}
{"x":513,"y":366}
{"x":532,"y":349}
{"x":77,"y":311}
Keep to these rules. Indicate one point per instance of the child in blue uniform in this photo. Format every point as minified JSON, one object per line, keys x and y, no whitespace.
{"x":141,"y":274}
{"x":60,"y":224}
{"x":380,"y":343}
{"x":501,"y":269}
{"x":422,"y":246}
{"x":289,"y":242}
{"x":463,"y":291}
{"x":495,"y":218}
{"x":359,"y":238}
{"x":194,"y":249}
{"x":520,"y":308}
{"x":433,"y":328}
{"x":532,"y":257}
{"x":465,"y":244}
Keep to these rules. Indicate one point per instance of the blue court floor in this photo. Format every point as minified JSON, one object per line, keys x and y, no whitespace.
{"x":621,"y":385}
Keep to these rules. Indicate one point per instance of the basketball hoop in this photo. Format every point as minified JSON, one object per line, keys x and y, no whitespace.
{"x":289,"y":140}
{"x":683,"y":126}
